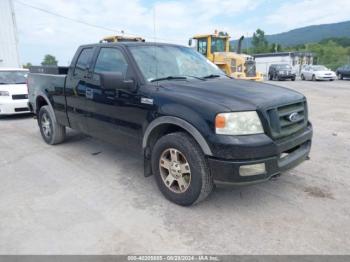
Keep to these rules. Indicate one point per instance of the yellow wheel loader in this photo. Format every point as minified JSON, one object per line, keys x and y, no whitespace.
{"x":216,"y":47}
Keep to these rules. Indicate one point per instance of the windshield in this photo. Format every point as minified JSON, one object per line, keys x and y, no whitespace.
{"x":284,"y":67}
{"x":164,"y":60}
{"x":13,"y":77}
{"x":319,"y":68}
{"x":217,"y":44}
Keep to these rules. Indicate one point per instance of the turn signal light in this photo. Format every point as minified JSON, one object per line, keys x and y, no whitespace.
{"x":220,"y":121}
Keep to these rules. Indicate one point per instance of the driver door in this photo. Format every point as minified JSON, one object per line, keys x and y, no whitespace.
{"x":115,"y":115}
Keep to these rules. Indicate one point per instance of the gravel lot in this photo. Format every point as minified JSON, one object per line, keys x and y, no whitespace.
{"x":88,"y":197}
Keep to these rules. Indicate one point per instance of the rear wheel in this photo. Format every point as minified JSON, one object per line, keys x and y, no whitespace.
{"x":313,"y":78}
{"x":340,"y":77}
{"x":52,"y":132}
{"x":181,"y":170}
{"x":302,"y":77}
{"x":270,"y":77}
{"x":293,"y":78}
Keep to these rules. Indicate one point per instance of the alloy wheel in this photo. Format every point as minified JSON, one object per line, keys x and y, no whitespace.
{"x":46,"y":125}
{"x":175,"y":170}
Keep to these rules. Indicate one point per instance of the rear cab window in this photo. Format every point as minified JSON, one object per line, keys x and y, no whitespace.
{"x":84,"y":60}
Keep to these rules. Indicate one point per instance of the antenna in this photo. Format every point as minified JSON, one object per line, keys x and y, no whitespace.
{"x":155,"y":39}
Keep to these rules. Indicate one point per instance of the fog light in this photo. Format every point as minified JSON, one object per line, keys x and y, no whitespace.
{"x":252,"y":170}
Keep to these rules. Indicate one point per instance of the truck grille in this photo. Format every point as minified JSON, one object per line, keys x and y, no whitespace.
{"x":18,"y":97}
{"x":287,"y":119}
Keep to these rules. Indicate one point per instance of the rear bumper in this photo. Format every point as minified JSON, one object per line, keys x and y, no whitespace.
{"x":286,"y":77}
{"x":12,"y":107}
{"x":288,"y":154}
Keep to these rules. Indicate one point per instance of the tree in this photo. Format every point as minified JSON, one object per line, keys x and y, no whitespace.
{"x":27,"y":65}
{"x":259,"y":42}
{"x":49,"y":60}
{"x":275,"y":48}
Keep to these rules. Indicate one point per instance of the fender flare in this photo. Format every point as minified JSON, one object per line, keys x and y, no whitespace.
{"x":43,"y":95}
{"x":181,"y":123}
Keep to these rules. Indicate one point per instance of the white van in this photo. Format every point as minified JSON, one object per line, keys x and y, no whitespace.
{"x":13,"y":91}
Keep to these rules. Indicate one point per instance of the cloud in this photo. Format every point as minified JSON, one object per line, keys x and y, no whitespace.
{"x":294,"y":14}
{"x":175,"y":20}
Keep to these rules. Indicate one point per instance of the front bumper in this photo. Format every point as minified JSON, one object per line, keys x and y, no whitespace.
{"x":288,"y":153}
{"x":324,"y":77}
{"x":11,"y":107}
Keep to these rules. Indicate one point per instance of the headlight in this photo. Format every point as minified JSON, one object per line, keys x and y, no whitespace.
{"x":4,"y":93}
{"x":238,"y":123}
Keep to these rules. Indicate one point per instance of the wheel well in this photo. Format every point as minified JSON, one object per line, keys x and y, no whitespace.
{"x":40,"y":102}
{"x":155,"y":134}
{"x":163,"y":130}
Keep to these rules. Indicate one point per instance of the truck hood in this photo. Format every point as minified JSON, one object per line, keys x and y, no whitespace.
{"x":235,"y":95}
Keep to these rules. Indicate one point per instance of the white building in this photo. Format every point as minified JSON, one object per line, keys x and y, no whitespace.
{"x":294,"y":59}
{"x":8,"y":35}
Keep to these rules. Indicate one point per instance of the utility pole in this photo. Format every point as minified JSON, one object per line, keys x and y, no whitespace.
{"x":13,"y":15}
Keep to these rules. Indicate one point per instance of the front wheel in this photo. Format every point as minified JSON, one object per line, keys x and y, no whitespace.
{"x":313,"y":78}
{"x":293,"y":78}
{"x":52,"y":132}
{"x":181,"y":170}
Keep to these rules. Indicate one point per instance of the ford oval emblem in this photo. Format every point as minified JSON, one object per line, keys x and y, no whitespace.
{"x":293,"y":117}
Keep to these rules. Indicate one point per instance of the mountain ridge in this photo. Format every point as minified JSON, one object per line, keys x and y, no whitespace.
{"x":303,"y":35}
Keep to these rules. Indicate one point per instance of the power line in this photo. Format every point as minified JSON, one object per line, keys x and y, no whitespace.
{"x":83,"y":22}
{"x":68,"y":18}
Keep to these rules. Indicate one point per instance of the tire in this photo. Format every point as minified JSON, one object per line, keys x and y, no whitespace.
{"x":340,"y":77}
{"x":197,"y":182}
{"x":302,"y":77}
{"x":270,"y":77}
{"x":293,"y":79}
{"x":52,"y":132}
{"x":313,"y":78}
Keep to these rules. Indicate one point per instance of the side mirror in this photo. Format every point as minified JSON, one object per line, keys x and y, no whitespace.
{"x":190,"y":42}
{"x":115,"y":80}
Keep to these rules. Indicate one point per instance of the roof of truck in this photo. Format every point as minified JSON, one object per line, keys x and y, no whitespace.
{"x":131,"y":44}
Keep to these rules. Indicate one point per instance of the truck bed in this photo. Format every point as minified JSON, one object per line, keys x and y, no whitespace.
{"x":49,"y":83}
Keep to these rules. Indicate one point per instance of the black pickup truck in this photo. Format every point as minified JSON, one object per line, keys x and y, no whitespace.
{"x":195,"y":126}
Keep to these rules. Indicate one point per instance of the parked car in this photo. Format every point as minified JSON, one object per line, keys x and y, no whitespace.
{"x":13,"y":91}
{"x":343,"y":72}
{"x":317,"y":72}
{"x":195,"y":126}
{"x":281,"y":72}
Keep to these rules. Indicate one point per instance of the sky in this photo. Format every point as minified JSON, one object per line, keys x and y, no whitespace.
{"x":173,"y":21}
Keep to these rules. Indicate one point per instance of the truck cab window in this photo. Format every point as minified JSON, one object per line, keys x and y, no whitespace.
{"x":202,"y":46}
{"x":111,"y":60}
{"x":83,"y":61}
{"x":217,"y":45}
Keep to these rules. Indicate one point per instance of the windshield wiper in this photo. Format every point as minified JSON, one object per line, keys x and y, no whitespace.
{"x":169,"y":78}
{"x":196,"y":77}
{"x":211,"y":76}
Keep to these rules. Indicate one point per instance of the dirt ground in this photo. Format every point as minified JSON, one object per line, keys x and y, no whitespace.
{"x":88,"y":197}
